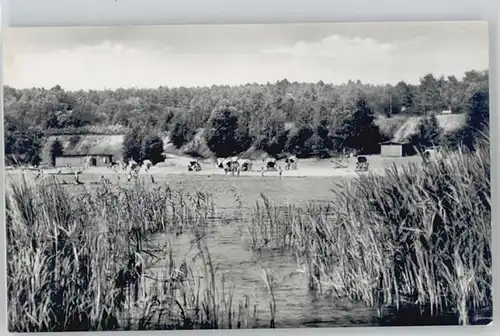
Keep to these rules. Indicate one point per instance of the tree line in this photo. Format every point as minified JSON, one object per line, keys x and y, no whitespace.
{"x":305,"y":119}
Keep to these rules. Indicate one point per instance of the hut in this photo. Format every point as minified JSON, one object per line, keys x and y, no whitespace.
{"x":396,"y":149}
{"x":76,"y":160}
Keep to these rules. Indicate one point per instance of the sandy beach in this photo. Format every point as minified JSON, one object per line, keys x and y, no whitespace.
{"x":178,"y":165}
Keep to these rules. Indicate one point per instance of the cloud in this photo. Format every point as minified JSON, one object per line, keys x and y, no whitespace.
{"x":336,"y":46}
{"x":113,"y":65}
{"x":206,"y":59}
{"x":104,"y":65}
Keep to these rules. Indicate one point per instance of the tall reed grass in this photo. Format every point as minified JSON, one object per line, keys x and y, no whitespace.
{"x":79,"y":261}
{"x":419,"y":235}
{"x":280,"y":227}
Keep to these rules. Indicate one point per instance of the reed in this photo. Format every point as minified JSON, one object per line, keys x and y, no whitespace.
{"x":279,"y":227}
{"x":419,"y":235}
{"x":270,"y":281}
{"x":84,"y":261}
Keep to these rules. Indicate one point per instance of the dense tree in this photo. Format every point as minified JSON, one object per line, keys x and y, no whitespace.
{"x":152,"y":149}
{"x":305,"y":118}
{"x":478,"y":116}
{"x":428,"y":133}
{"x":24,"y":146}
{"x":324,"y":142}
{"x":182,"y":131}
{"x":430,"y":99}
{"x":56,"y":149}
{"x":359,"y":129}
{"x":225,"y":135}
{"x":132,"y":145}
{"x":300,"y":142}
{"x":271,"y":134}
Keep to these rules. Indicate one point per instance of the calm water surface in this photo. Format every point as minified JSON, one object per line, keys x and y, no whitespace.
{"x":229,"y":248}
{"x":229,"y":241}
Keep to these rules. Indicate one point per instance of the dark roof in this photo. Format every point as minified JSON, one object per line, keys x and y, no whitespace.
{"x":394,"y":143}
{"x":90,"y":151}
{"x":82,"y":155}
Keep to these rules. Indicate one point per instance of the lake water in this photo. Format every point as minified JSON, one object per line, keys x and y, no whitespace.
{"x":229,"y":246}
{"x":229,"y":242}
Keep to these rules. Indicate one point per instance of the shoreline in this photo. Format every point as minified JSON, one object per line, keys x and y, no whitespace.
{"x":164,"y":171}
{"x":178,"y":166}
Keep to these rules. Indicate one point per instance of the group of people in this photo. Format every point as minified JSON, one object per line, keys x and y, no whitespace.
{"x":132,"y":169}
{"x":235,"y":168}
{"x":235,"y":165}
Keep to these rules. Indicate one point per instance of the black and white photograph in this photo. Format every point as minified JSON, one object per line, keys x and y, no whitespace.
{"x":247,"y":176}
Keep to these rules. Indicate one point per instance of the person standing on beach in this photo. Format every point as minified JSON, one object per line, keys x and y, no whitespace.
{"x":77,"y":180}
{"x":262,"y":171}
{"x":281,"y":171}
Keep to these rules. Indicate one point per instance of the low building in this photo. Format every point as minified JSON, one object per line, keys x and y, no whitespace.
{"x":78,"y":160}
{"x":396,"y":149}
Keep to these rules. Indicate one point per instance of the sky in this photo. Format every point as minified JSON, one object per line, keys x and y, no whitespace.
{"x":200,"y":55}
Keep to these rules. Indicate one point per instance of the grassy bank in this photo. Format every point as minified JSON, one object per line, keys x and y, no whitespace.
{"x":79,"y":261}
{"x":415,"y":236}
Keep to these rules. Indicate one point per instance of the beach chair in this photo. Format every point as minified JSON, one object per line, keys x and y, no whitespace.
{"x":194,"y":166}
{"x":246,"y":166}
{"x":430,"y":153}
{"x":341,"y":162}
{"x":291,"y":163}
{"x":271,"y":165}
{"x":362,"y":163}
